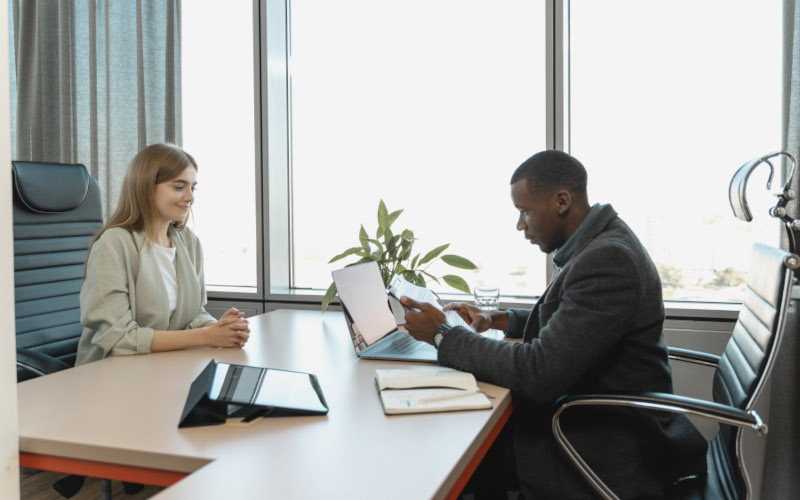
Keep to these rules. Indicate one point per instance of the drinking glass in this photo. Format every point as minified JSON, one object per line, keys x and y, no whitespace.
{"x":487,"y":298}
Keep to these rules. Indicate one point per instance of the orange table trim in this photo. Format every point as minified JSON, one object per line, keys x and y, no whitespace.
{"x":101,"y":470}
{"x":476,"y":459}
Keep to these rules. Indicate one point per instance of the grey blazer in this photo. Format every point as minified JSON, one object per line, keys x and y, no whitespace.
{"x":124,"y":299}
{"x":597,"y":328}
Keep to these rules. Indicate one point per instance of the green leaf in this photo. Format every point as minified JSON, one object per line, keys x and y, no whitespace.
{"x":379,"y":233}
{"x":409,"y":276}
{"x":408,"y":235}
{"x":391,"y":246}
{"x":414,"y":262}
{"x":378,"y":244}
{"x":362,"y":236}
{"x":387,"y":234}
{"x":399,"y":269}
{"x":434,"y":278}
{"x":393,"y":216}
{"x":459,"y":262}
{"x":376,"y":256}
{"x":349,"y":251}
{"x":456,"y":282}
{"x":328,"y":296}
{"x":433,"y":254}
{"x":420,"y":280}
{"x":383,"y":216}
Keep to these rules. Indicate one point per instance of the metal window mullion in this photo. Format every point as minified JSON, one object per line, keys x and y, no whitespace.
{"x":259,"y":129}
{"x":557,"y":83}
{"x":274,"y":139}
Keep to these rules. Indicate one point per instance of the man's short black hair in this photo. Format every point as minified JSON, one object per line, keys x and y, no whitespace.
{"x":552,"y":170}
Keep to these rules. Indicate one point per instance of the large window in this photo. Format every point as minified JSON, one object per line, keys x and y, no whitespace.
{"x":668,"y":99}
{"x":428,"y":105}
{"x":218,"y":130}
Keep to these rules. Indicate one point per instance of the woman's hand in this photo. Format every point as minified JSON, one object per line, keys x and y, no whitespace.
{"x":478,"y":320}
{"x":229,"y":331}
{"x":231,"y":315}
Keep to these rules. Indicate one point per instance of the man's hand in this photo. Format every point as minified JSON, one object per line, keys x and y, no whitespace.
{"x":422,"y":323}
{"x":478,"y":320}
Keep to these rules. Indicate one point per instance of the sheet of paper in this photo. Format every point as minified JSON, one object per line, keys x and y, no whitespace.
{"x":400,"y":287}
{"x":361,"y":290}
{"x":454,"y":319}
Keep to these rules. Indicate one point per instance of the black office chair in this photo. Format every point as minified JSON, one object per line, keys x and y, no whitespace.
{"x":741,"y":370}
{"x":57,"y":211}
{"x":739,"y":377}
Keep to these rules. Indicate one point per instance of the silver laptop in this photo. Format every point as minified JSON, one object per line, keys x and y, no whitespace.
{"x":372,"y":325}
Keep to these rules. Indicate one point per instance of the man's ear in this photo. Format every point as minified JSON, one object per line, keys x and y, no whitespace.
{"x":563,"y":201}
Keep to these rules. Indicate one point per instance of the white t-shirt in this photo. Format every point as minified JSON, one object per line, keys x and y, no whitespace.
{"x":166,"y":262}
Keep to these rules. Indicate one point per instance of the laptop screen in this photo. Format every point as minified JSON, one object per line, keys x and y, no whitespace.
{"x":363,"y":294}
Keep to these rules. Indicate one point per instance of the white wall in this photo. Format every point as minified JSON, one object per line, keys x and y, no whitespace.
{"x":9,"y":443}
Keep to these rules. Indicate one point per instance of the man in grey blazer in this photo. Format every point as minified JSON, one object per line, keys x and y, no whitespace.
{"x":596,"y":328}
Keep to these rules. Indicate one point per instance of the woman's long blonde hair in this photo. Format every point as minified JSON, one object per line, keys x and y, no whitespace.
{"x":136,"y":209}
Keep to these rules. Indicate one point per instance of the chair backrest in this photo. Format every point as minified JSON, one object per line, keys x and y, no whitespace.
{"x":57,"y":211}
{"x":750,"y":353}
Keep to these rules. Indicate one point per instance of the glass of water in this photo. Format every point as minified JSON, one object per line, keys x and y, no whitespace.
{"x":487,"y":298}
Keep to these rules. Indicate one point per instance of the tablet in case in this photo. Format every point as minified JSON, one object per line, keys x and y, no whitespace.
{"x":224,"y":390}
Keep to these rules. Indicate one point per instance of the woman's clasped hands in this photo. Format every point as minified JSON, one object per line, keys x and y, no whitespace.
{"x":232,"y":329}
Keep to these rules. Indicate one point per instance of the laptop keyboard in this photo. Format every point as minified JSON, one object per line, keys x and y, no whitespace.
{"x":402,"y":344}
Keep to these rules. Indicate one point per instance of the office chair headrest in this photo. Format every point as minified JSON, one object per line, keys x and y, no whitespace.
{"x":50,"y":187}
{"x":738,"y":186}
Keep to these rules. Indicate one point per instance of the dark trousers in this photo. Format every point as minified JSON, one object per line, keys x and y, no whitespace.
{"x":496,"y":475}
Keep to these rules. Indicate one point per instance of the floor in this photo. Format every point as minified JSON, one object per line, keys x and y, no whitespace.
{"x":38,"y":487}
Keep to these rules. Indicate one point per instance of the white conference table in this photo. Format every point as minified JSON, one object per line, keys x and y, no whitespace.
{"x":118,"y":418}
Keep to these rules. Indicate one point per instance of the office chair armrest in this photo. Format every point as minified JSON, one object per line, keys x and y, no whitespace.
{"x":696,"y":357}
{"x":657,"y":401}
{"x":38,"y":363}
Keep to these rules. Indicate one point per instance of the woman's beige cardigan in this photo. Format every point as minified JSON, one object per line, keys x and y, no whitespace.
{"x":124,"y":299}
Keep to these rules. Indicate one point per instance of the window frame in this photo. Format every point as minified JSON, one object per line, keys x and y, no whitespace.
{"x":272,"y":87}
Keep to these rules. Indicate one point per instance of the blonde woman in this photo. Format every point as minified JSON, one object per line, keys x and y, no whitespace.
{"x":144,"y":289}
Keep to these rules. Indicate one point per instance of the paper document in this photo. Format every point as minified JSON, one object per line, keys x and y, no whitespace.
{"x":399,"y":287}
{"x":401,"y":378}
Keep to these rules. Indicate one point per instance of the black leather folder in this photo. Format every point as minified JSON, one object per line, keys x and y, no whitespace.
{"x":224,"y":390}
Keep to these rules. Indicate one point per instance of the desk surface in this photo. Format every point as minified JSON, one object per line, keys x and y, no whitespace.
{"x":125,"y":410}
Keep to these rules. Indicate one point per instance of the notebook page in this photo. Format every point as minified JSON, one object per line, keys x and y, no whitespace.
{"x":406,"y":378}
{"x":432,"y":400}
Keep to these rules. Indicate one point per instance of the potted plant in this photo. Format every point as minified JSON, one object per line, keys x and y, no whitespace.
{"x":393,"y":253}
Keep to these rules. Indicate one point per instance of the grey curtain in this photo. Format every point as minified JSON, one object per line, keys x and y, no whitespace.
{"x":782,"y":457}
{"x":94,"y":81}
